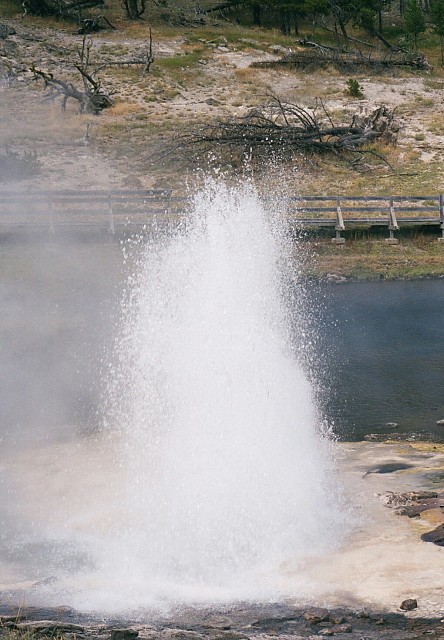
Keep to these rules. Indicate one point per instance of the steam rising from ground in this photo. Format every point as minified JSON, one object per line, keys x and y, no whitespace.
{"x":211,"y":472}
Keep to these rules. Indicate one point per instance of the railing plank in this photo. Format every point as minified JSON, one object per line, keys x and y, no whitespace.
{"x":120,"y":208}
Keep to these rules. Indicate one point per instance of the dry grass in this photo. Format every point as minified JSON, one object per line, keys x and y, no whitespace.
{"x":246,"y":75}
{"x":123,"y":109}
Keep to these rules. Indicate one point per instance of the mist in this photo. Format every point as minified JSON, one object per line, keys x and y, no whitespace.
{"x":58,"y":303}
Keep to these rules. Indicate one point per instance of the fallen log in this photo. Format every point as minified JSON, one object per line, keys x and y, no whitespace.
{"x":279,"y":127}
{"x":320,"y":56}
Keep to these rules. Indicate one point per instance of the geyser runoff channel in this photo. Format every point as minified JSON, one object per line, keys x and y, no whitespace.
{"x":221,"y":474}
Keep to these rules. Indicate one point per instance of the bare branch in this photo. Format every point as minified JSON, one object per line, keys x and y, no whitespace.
{"x":278,"y":128}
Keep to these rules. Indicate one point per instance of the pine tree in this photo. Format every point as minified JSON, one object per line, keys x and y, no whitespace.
{"x":414,"y":21}
{"x":437,"y":19}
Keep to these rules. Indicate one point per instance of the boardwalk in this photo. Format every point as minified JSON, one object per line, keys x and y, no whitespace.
{"x":114,"y":211}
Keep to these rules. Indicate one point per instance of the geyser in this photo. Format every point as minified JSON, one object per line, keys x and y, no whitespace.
{"x":211,"y":480}
{"x":226,"y":474}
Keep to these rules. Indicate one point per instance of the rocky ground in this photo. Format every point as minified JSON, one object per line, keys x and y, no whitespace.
{"x":242,"y":622}
{"x":392,"y":555}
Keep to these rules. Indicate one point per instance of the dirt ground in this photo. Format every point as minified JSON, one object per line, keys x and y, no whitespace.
{"x":198,"y":74}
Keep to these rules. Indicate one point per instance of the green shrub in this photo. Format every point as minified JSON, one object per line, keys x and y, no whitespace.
{"x":354,"y":89}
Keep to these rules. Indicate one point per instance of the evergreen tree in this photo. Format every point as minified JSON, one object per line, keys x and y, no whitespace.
{"x":315,"y":8}
{"x":414,"y":21}
{"x":437,"y":18}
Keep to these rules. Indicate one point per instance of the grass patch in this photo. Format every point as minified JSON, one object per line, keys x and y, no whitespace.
{"x":180,"y":62}
{"x":10,"y":9}
{"x":417,"y":256}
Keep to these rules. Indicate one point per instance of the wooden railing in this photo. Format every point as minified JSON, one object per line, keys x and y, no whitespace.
{"x":111,"y":210}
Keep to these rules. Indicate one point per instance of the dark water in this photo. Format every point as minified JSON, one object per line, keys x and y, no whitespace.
{"x":380,"y":354}
{"x":382,"y":348}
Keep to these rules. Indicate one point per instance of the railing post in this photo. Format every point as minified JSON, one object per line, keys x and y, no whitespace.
{"x":339,"y":224}
{"x":168,"y":212}
{"x":393,"y":224}
{"x":111,"y":229}
{"x":51,"y":216}
{"x":441,"y":216}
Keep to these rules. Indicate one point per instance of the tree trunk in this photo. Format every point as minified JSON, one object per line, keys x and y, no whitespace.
{"x":337,"y":34}
{"x":257,"y":14}
{"x":296,"y":23}
{"x":342,"y":27}
{"x":132,"y":9}
{"x":285,"y":22}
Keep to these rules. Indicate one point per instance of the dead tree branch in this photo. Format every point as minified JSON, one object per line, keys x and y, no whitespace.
{"x":144,"y":61}
{"x":319,"y":56}
{"x":62,"y":8}
{"x":93,"y":25}
{"x":92,"y":99}
{"x":280,"y":127}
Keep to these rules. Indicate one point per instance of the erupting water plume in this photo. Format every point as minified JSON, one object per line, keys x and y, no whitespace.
{"x":226,"y":472}
{"x":211,"y":479}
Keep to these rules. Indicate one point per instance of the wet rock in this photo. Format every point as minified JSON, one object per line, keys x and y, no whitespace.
{"x":335,"y":629}
{"x":316,"y":615}
{"x":124,"y":634}
{"x":436,"y":536}
{"x":397,"y":500}
{"x":49,"y":627}
{"x":363,"y":614}
{"x":217,"y":622}
{"x":180,"y":634}
{"x":334,"y":278}
{"x":414,"y":503}
{"x":276,"y":623}
{"x":418,"y":496}
{"x":409,"y":604}
{"x":342,"y":628}
{"x":415,"y":510}
{"x":226,"y":634}
{"x":410,"y":436}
